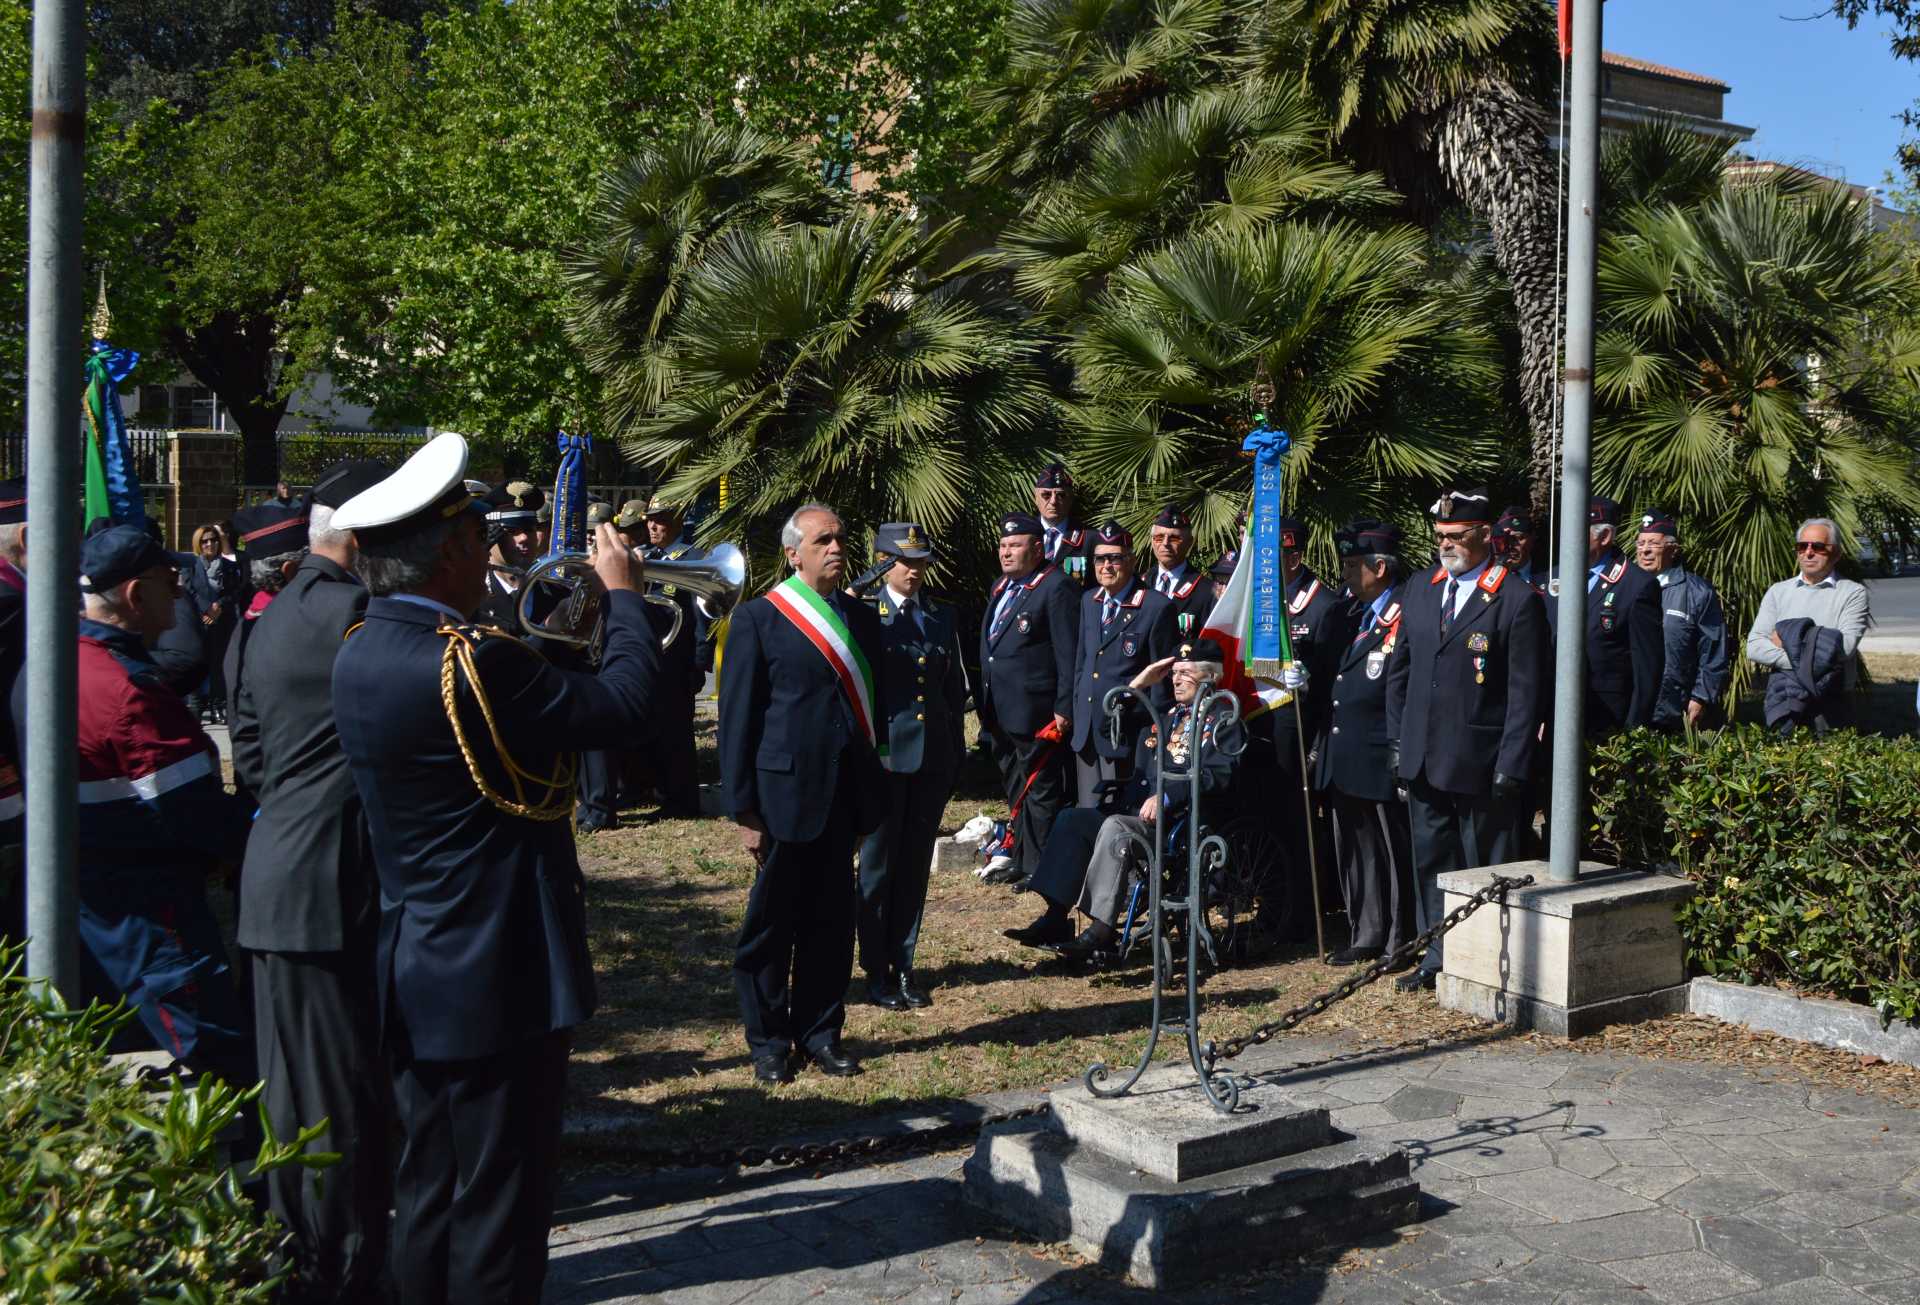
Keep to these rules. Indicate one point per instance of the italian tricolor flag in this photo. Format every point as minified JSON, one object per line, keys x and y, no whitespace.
{"x":813,"y":617}
{"x":1229,"y":625}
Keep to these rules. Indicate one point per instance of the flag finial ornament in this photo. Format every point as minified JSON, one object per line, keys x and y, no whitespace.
{"x":102,"y":319}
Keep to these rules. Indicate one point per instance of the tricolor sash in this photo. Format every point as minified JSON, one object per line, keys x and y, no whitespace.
{"x":811,"y":614}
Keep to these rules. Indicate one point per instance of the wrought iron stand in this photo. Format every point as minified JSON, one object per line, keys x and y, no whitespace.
{"x":1213,"y":712}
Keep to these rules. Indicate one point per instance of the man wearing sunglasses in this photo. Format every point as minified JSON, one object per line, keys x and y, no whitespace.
{"x":1064,"y":542}
{"x":1835,"y":613}
{"x":1125,"y":626}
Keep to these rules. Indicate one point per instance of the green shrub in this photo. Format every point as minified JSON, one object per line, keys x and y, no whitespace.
{"x":1807,"y":853}
{"x":111,"y":1193}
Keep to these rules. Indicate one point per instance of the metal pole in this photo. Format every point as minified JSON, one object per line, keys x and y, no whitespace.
{"x":1569,"y":683}
{"x":53,"y":488}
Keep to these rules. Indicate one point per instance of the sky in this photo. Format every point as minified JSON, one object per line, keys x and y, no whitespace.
{"x":1820,"y":95}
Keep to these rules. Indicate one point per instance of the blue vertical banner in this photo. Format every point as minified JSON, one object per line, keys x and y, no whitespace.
{"x":119,"y":483}
{"x":1266,"y":645}
{"x":569,"y":533}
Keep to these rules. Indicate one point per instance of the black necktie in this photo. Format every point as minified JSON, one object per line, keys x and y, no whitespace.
{"x":911,"y":610}
{"x":1446,"y":606}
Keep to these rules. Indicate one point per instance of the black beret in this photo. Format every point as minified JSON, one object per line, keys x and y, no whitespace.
{"x":1603,"y":511}
{"x":1659,"y":523}
{"x":1114,"y":533}
{"x":118,"y":554}
{"x":1515,"y":518}
{"x":1293,"y":534}
{"x":1055,"y":476}
{"x":1172,"y":518}
{"x":13,"y":502}
{"x":1223,"y":568}
{"x":1368,"y":538}
{"x":1463,"y":507}
{"x":346,"y":478}
{"x":1202,"y":650}
{"x":272,"y":527}
{"x":1021,"y":523}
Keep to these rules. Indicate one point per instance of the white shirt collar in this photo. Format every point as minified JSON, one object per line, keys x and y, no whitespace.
{"x":1832,"y":580}
{"x":431,"y":604}
{"x":899,"y":599}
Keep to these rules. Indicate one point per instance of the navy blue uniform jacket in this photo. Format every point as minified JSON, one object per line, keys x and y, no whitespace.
{"x":922,"y":688}
{"x":1626,"y":647}
{"x":1026,"y":675}
{"x":1141,"y":633}
{"x":1353,"y":748}
{"x":1468,"y":706}
{"x":483,"y":939}
{"x":788,"y":735}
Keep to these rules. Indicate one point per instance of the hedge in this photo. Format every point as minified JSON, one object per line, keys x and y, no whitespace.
{"x":112,"y":1193}
{"x":1807,"y":853}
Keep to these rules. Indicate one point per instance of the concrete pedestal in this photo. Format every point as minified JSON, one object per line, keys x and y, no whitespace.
{"x":1567,"y":959}
{"x":1158,"y":1186}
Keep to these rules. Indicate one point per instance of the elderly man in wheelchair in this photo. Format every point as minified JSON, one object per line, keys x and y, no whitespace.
{"x":1093,"y":859}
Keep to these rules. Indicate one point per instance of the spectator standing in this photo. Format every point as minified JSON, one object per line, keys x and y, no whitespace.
{"x":1807,"y":631}
{"x":1696,"y":670}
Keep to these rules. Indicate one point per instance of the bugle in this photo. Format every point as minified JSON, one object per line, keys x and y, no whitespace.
{"x":560,"y":596}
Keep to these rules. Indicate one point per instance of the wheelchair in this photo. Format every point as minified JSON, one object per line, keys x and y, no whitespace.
{"x":1229,"y":890}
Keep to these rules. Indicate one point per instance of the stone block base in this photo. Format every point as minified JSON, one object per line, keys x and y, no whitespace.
{"x":1498,"y":1007}
{"x":1566,"y":958}
{"x":950,"y":853}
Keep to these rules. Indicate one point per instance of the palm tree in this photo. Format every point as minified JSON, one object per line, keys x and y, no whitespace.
{"x":1382,"y":387}
{"x":834,"y":361}
{"x":1443,"y":98}
{"x":1736,"y":382}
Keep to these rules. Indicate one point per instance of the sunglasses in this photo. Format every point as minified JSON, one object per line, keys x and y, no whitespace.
{"x":1051,"y":493}
{"x":1109,"y":559}
{"x":1456,"y":536}
{"x":1813,"y":546}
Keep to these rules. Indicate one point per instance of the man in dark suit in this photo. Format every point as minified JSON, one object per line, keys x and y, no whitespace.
{"x":801,"y":743}
{"x":1626,"y":641}
{"x":1028,"y":642}
{"x":923,"y":697}
{"x":481,"y":965}
{"x":308,"y":910}
{"x":1124,"y":626}
{"x":1065,"y":541}
{"x":1466,"y":693}
{"x":685,"y":662}
{"x":1174,"y":576}
{"x":1371,"y":841}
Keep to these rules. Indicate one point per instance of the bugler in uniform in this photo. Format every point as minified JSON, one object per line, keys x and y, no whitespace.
{"x":657,"y":527}
{"x":1466,"y":694}
{"x":923,"y":697}
{"x":513,"y":531}
{"x":1124,"y":627}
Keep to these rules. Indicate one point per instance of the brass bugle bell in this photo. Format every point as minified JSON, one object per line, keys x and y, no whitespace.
{"x":571,"y":591}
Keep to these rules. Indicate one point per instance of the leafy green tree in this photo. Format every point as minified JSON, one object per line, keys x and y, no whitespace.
{"x":1443,"y":98}
{"x":1733,"y":382}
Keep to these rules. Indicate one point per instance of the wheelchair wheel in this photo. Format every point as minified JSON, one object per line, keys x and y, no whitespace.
{"x":1233,"y":889}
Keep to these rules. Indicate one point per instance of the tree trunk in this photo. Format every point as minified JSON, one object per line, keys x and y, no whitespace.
{"x":237,"y":356}
{"x":1491,"y":145}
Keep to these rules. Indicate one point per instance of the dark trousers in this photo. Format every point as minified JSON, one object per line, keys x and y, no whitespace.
{"x":1455,"y":831}
{"x":672,"y":748}
{"x":1372,"y":844}
{"x":317,"y":1023}
{"x":1279,"y":803}
{"x":597,"y":784}
{"x":795,"y":954}
{"x":1090,"y":770}
{"x":1016,"y":755}
{"x":894,"y":863}
{"x":473,"y":1194}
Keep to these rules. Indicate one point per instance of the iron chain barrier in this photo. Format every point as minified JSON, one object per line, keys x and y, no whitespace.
{"x":810,"y":1154}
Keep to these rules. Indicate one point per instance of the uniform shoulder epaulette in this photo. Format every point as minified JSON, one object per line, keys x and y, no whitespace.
{"x":1301,"y":599}
{"x":1181,"y":591}
{"x":1493,"y":577}
{"x":1139,"y":597}
{"x":1392,"y":615}
{"x":1042,"y":574}
{"x":1073,"y":538}
{"x":1619,"y":569}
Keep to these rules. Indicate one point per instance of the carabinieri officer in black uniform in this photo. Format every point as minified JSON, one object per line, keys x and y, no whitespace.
{"x":1175,"y":577}
{"x":1466,"y":694}
{"x":923,"y":696}
{"x":1626,"y":642}
{"x":1028,"y":641}
{"x":1067,"y":543}
{"x":481,"y":966}
{"x":1124,"y":628}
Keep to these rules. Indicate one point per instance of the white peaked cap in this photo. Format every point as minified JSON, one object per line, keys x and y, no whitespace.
{"x":431,"y":485}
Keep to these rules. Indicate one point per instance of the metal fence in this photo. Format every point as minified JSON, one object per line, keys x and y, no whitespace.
{"x":151,"y":449}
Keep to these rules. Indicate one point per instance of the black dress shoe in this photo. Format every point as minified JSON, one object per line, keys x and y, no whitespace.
{"x":834,"y":1061}
{"x":1415,"y":980}
{"x":596,"y":826}
{"x":1095,"y":937}
{"x":1047,"y":931}
{"x":1402,"y":965}
{"x":912,"y":994}
{"x":1354,"y":955}
{"x":768,"y":1069}
{"x":883,"y":994}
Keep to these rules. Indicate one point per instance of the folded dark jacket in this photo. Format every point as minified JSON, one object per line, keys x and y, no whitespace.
{"x":1818,"y":654}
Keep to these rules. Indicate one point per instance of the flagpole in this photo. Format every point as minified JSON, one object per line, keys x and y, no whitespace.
{"x":1306,"y":783}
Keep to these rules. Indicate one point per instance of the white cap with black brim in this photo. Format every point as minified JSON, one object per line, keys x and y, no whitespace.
{"x":430,"y":487}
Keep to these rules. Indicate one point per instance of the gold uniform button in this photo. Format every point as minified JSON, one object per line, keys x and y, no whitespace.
{"x":923,"y":661}
{"x":1096,"y":675}
{"x":920,"y":715}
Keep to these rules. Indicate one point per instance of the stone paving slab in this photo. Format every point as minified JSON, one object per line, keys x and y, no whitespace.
{"x":1547,"y":1176}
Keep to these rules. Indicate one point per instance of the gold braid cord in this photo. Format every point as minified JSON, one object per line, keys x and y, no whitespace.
{"x":555,"y":792}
